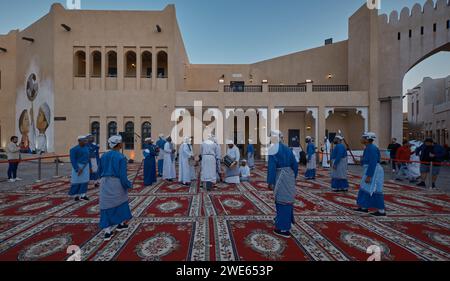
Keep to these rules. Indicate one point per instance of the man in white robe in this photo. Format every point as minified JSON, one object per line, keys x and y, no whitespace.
{"x":169,"y":172}
{"x":208,"y":166}
{"x":232,"y":172}
{"x":192,"y":167}
{"x":326,"y":153}
{"x":184,"y":169}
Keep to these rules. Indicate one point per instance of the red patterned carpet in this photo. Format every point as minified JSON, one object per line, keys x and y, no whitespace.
{"x":232,"y":222}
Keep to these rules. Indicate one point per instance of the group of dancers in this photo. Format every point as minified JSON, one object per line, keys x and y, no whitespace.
{"x":110,"y":173}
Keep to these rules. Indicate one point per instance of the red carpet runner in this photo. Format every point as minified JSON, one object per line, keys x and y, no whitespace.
{"x":232,"y":222}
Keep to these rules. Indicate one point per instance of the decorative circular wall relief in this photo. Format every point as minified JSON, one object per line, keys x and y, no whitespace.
{"x":266,"y":244}
{"x":45,"y":248}
{"x":156,"y":247}
{"x":32,"y":87}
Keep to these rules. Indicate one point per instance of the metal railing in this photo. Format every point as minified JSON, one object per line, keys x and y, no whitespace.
{"x":330,"y":88}
{"x":287,"y":88}
{"x":246,"y":89}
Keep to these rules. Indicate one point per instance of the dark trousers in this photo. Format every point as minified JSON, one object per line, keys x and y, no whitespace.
{"x":394,"y":164}
{"x":12,"y":169}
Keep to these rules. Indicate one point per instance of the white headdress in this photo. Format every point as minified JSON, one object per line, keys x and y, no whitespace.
{"x":81,"y":138}
{"x":369,"y":136}
{"x":230,"y":142}
{"x":114,"y":141}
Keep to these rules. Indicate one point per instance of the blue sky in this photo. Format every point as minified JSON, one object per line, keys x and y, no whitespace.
{"x":242,"y":31}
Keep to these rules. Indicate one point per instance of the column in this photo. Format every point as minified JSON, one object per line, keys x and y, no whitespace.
{"x":364,"y":112}
{"x":317,"y":123}
{"x":138,"y":68}
{"x":154,"y":70}
{"x":396,"y":118}
{"x":103,"y":71}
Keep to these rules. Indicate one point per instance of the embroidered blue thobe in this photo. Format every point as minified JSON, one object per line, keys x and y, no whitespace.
{"x":79,"y":159}
{"x":251,"y":156}
{"x":311,"y":164}
{"x":339,"y":167}
{"x":94,"y":160}
{"x":114,"y":185}
{"x":149,"y":164}
{"x":370,"y":195}
{"x":281,"y":158}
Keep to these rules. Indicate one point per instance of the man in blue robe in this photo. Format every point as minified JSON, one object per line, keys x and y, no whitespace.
{"x":150,"y":152}
{"x":370,"y":194}
{"x":79,"y":158}
{"x":282,"y":173}
{"x":310,"y":173}
{"x":94,"y":159}
{"x":339,"y":166}
{"x":250,"y":154}
{"x":114,"y":185}
{"x":160,"y":144}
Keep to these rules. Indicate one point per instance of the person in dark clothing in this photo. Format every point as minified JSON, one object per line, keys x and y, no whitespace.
{"x":393,"y":147}
{"x":430,"y":153}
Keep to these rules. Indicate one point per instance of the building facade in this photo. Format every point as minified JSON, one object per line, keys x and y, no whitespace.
{"x":78,"y":71}
{"x":429,"y":110}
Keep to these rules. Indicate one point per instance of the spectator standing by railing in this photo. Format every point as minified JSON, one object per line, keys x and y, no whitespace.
{"x":13,"y":154}
{"x":431,"y":155}
{"x":403,"y":157}
{"x":393,"y":147}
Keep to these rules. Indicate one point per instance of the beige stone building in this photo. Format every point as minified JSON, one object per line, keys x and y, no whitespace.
{"x":429,"y":110}
{"x":76,"y":71}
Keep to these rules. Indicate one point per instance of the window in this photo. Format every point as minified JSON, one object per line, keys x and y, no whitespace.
{"x":112,"y":129}
{"x":417,"y":107}
{"x":146,"y":131}
{"x":96,"y":66}
{"x":128,"y":138}
{"x":410,"y":33}
{"x":79,"y":64}
{"x":130,"y":64}
{"x":111,"y":66}
{"x":162,"y":65}
{"x":434,"y":27}
{"x":448,"y":24}
{"x":399,"y":36}
{"x":95,"y":131}
{"x":412,"y":109}
{"x":422,"y":30}
{"x":146,"y":58}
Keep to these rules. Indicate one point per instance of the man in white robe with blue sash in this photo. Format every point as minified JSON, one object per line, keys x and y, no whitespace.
{"x":79,"y":159}
{"x":370,"y":194}
{"x":232,"y":173}
{"x":169,"y":171}
{"x":208,"y":174}
{"x":184,"y":169}
{"x":114,"y":186}
{"x":282,"y":172}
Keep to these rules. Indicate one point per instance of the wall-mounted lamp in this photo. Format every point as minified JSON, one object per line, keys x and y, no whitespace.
{"x":308,"y":128}
{"x":28,"y":39}
{"x":221,"y":81}
{"x":330,"y":76}
{"x":265,"y":81}
{"x":308,"y":81}
{"x":3,"y":50}
{"x":66,"y":27}
{"x":158,"y":28}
